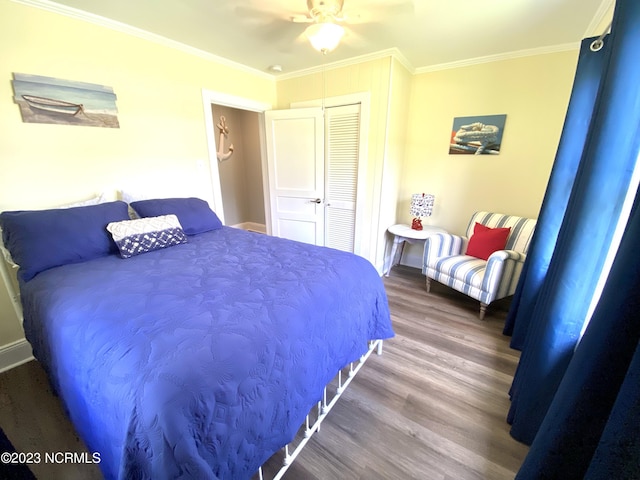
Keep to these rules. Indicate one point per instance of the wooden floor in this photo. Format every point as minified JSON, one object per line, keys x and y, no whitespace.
{"x":431,"y":407}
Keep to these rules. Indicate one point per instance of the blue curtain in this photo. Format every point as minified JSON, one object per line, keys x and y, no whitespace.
{"x":554,"y":206}
{"x":594,"y":164}
{"x":592,"y":428}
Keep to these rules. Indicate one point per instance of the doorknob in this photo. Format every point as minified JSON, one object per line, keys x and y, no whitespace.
{"x":317,"y":200}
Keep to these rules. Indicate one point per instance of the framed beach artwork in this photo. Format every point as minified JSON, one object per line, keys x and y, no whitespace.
{"x":478,"y":135}
{"x":64,"y":102}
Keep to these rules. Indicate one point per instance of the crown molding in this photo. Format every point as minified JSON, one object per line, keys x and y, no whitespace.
{"x":387,"y":53}
{"x":137,"y":32}
{"x":77,"y":14}
{"x":499,"y":57}
{"x":397,"y":54}
{"x":602,"y":13}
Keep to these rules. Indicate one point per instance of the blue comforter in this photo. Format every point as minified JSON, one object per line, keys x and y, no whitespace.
{"x":200,"y":360}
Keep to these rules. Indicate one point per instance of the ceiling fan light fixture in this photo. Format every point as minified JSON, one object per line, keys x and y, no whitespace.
{"x":324,"y":36}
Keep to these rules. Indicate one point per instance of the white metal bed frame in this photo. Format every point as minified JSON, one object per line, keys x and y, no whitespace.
{"x":8,"y":271}
{"x":324,"y":406}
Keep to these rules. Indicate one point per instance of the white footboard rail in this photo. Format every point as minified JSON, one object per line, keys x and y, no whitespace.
{"x":323,"y":408}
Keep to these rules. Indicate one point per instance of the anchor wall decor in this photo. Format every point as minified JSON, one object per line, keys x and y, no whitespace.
{"x":224,"y":133}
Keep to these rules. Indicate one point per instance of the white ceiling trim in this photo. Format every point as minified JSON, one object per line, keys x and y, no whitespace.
{"x":499,"y":57}
{"x":70,"y":12}
{"x":158,"y":39}
{"x":390,"y":52}
{"x":605,"y":10}
{"x":137,"y":32}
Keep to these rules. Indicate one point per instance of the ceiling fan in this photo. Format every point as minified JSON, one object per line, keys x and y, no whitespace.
{"x":320,"y":10}
{"x":326,"y":17}
{"x":324,"y":33}
{"x":330,"y":21}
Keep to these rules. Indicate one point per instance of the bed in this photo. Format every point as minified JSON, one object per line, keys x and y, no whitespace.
{"x":182,"y":348}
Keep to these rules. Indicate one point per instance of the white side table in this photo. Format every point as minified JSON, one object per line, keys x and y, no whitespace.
{"x":404,"y":233}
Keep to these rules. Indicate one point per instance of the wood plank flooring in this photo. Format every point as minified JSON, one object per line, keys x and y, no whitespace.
{"x":431,"y":407}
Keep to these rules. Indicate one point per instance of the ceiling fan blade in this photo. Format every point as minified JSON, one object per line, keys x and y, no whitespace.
{"x":262,"y":12}
{"x":301,"y":19}
{"x":348,"y":17}
{"x":367,"y":11}
{"x":256,"y":15}
{"x":288,"y":46}
{"x":301,"y":38}
{"x":280,"y":32}
{"x":353,"y":38}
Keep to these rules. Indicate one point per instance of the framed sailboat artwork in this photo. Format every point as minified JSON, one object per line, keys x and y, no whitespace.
{"x":65,"y":102}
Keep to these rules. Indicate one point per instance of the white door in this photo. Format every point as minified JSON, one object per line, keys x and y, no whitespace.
{"x":295,"y":164}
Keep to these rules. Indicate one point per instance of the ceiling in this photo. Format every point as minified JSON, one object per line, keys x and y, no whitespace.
{"x":425,"y":34}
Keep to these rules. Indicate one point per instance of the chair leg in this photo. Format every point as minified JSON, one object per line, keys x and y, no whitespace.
{"x":483,"y":309}
{"x":428,"y":284}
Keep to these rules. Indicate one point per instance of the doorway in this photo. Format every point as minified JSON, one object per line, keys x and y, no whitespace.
{"x":243,"y":112}
{"x":360,"y":236}
{"x":239,"y":156}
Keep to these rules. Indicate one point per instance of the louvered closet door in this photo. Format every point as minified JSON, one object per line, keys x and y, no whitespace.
{"x":342,"y":130}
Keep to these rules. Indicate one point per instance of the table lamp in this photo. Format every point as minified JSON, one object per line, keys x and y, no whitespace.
{"x":421,"y":206}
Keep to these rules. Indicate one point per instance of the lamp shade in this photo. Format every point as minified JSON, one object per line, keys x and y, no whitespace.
{"x":324,"y":36}
{"x":421,"y":204}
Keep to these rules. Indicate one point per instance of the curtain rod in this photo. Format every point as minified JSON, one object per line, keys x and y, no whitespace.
{"x":598,"y":43}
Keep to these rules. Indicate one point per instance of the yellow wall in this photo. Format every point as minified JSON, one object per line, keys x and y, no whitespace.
{"x":162,"y":137}
{"x":411,"y":122}
{"x":395,"y":154}
{"x":159,"y":102}
{"x":161,"y":141}
{"x":534,"y":94}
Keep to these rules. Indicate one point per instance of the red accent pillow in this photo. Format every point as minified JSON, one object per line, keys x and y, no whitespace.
{"x":486,"y":240}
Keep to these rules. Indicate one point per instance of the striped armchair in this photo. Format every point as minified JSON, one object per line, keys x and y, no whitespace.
{"x":485,"y":280}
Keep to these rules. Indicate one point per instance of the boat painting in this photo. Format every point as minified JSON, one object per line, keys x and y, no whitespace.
{"x":477,"y":135}
{"x":64,"y":102}
{"x":53,"y":105}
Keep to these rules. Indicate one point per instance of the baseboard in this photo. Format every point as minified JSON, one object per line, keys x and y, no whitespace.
{"x":14,"y":354}
{"x":251,"y":226}
{"x":413,"y":256}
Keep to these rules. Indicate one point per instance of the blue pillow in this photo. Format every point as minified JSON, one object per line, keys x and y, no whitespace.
{"x":194,"y":214}
{"x":43,"y":239}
